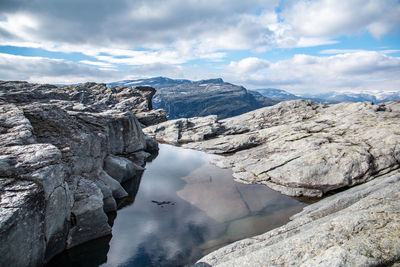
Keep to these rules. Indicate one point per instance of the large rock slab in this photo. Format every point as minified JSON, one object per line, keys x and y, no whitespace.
{"x":121,"y":169}
{"x":53,"y":142}
{"x":22,"y":214}
{"x":152,"y":117}
{"x":357,"y":227}
{"x":88,"y":218}
{"x":185,"y":130}
{"x":299,"y":148}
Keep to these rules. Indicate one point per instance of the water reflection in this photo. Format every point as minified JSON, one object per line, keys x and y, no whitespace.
{"x":179,"y":210}
{"x":90,"y":254}
{"x":186,"y":207}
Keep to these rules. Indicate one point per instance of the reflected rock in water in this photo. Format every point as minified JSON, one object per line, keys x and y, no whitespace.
{"x":186,"y":207}
{"x":131,"y":186}
{"x":90,"y":254}
{"x":212,"y":190}
{"x":94,"y":253}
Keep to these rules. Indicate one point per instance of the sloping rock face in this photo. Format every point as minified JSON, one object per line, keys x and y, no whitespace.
{"x":64,"y":152}
{"x":298,"y":147}
{"x":357,"y":227}
{"x":186,"y":99}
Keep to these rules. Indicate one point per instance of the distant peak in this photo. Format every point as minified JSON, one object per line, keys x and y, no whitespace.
{"x":216,"y":80}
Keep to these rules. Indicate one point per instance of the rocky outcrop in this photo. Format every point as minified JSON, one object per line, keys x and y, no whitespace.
{"x":357,"y":227}
{"x":299,"y":148}
{"x":64,"y":152}
{"x":186,"y":99}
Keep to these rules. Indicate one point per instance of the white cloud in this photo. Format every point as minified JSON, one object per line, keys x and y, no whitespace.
{"x":156,"y":37}
{"x":58,"y":71}
{"x":19,"y":24}
{"x":364,"y":70}
{"x":204,"y":25}
{"x":46,"y":70}
{"x":248,"y":65}
{"x":331,"y":18}
{"x":156,"y":69}
{"x":339,"y":51}
{"x":97,"y":63}
{"x":177,"y":31}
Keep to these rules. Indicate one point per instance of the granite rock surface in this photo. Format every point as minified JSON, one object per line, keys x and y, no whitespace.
{"x":298,"y":147}
{"x":356,"y":227}
{"x":64,"y":152}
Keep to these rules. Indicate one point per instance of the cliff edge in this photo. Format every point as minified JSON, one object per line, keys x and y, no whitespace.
{"x":64,"y":152}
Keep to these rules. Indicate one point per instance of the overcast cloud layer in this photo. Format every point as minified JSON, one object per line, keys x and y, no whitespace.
{"x":254,"y":43}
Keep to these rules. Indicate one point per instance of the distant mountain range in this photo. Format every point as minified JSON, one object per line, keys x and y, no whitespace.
{"x":185,"y":98}
{"x":277,"y":94}
{"x":332,"y":97}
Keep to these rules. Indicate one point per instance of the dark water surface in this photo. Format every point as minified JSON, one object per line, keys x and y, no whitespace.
{"x":184,"y":209}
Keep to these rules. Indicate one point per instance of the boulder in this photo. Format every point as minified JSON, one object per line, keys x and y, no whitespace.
{"x":152,"y":117}
{"x":185,"y":130}
{"x":298,"y":147}
{"x":119,"y":168}
{"x":88,"y":219}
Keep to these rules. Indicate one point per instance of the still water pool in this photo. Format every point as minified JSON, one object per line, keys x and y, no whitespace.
{"x":184,"y":209}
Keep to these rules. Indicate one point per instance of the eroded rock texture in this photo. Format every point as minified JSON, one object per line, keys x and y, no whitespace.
{"x":357,"y":227}
{"x":63,"y":156}
{"x":299,"y":148}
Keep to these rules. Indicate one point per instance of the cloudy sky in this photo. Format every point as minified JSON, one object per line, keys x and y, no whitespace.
{"x":301,"y":46}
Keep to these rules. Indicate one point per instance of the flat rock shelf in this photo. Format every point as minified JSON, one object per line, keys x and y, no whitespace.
{"x":184,"y":209}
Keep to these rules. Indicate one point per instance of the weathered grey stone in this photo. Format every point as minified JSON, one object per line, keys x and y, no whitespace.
{"x":151,"y":144}
{"x":299,"y":148}
{"x":119,"y":168}
{"x":139,"y":158}
{"x":152,"y":117}
{"x":185,"y":130}
{"x":109,"y":203}
{"x":15,"y":129}
{"x":87,"y":216}
{"x":117,"y":190}
{"x":22,"y":220}
{"x":15,"y":160}
{"x":57,"y":215}
{"x":357,"y":227}
{"x":53,"y":137}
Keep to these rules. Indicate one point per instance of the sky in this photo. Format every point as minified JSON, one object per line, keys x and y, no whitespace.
{"x":302,"y":46}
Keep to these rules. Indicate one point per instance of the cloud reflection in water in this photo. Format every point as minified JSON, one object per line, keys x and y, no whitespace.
{"x":209,"y":210}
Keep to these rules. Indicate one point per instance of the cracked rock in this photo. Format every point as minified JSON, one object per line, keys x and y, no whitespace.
{"x":53,"y":141}
{"x":298,"y":147}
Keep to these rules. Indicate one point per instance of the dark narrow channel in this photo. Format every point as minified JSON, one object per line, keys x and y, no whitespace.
{"x":184,"y":209}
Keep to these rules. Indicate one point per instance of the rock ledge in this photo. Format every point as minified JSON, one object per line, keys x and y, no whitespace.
{"x":64,"y":152}
{"x":298,"y":147}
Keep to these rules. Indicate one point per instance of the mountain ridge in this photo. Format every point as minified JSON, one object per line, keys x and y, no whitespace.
{"x":185,"y":98}
{"x":332,"y":97}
